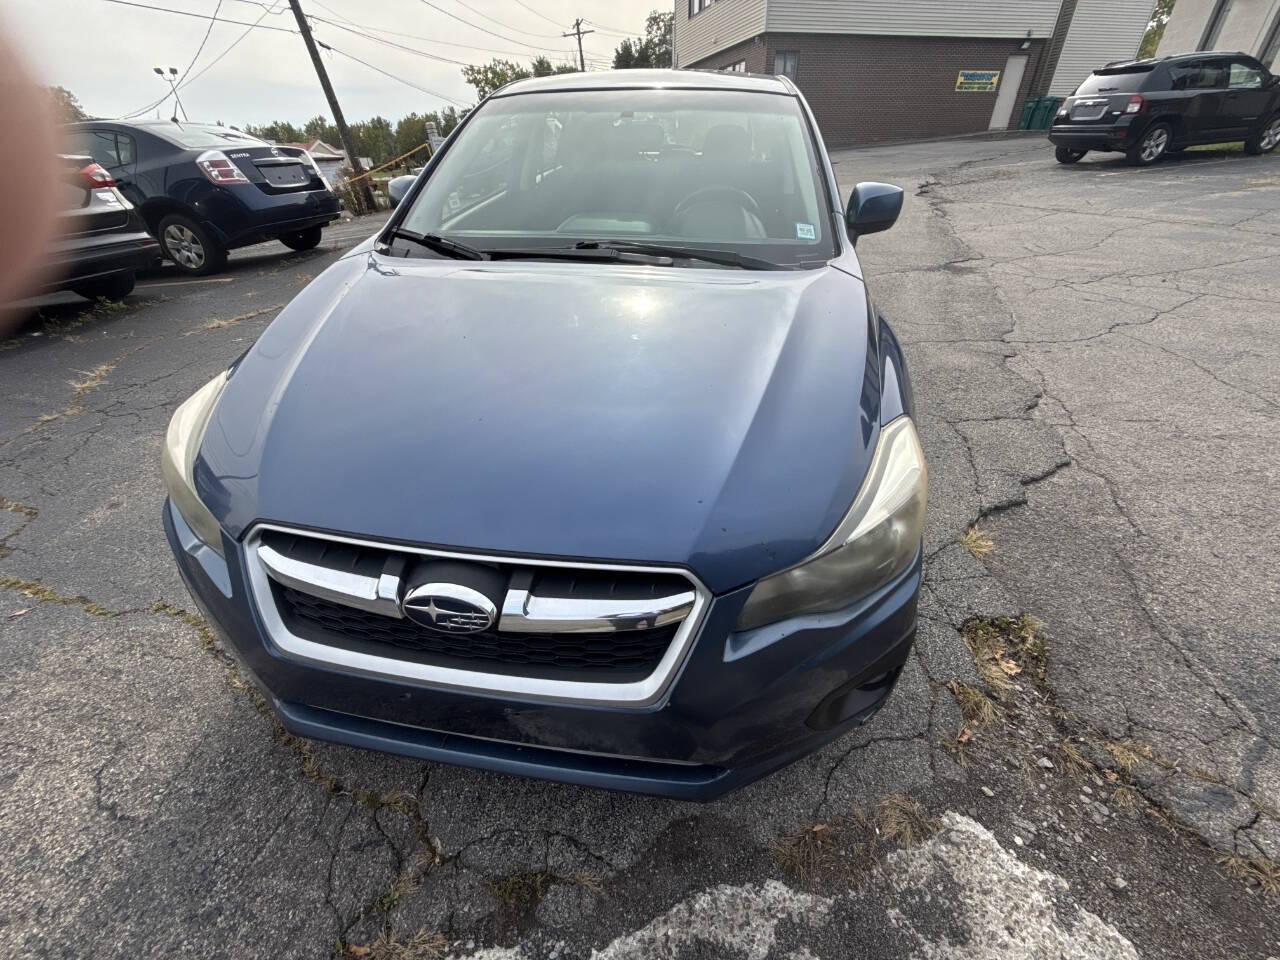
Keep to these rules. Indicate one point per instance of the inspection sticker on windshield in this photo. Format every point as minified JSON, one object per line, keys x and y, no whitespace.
{"x":805,"y":231}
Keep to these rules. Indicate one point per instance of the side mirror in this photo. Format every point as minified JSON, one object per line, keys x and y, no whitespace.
{"x":873,"y":207}
{"x":397,"y":187}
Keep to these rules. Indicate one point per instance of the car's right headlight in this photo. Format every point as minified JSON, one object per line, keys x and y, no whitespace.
{"x":181,"y":444}
{"x":875,"y":542}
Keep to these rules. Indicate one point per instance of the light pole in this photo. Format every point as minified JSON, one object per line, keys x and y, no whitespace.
{"x":172,"y":79}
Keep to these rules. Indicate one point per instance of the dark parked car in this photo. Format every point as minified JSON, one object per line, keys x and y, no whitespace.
{"x":596,"y":464}
{"x":1148,"y":108}
{"x":204,"y":189}
{"x":100,"y":240}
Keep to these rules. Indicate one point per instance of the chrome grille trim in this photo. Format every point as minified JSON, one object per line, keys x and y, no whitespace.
{"x":372,"y":597}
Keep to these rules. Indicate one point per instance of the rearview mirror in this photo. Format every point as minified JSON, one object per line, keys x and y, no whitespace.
{"x":873,"y":207}
{"x":397,"y":187}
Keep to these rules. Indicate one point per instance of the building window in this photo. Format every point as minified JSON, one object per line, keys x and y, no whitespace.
{"x":697,"y":6}
{"x":1213,"y":29}
{"x":739,"y":67}
{"x":1271,"y":49}
{"x":787,"y":63}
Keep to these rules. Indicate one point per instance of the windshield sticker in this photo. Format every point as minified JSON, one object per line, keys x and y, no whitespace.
{"x":806,"y":231}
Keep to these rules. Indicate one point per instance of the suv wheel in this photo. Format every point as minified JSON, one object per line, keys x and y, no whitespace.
{"x":189,"y":246}
{"x":1266,"y":137}
{"x":1067,"y":155}
{"x":115,"y":287}
{"x":1155,"y":143}
{"x":301,"y":239}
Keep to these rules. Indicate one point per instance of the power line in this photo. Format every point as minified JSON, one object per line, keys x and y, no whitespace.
{"x":391,"y":43}
{"x":200,"y":16}
{"x":539,"y":13}
{"x":476,"y":26}
{"x":527,"y":33}
{"x":406,"y":36}
{"x":200,"y":49}
{"x":392,"y":76}
{"x":212,"y":63}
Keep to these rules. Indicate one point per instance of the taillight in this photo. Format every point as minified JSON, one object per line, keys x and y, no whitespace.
{"x":1136,"y":104}
{"x":217,"y":166}
{"x":95,"y":177}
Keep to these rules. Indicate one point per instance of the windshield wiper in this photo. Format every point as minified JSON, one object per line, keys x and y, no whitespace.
{"x":439,"y":244}
{"x":594,"y":254}
{"x":727,"y":258}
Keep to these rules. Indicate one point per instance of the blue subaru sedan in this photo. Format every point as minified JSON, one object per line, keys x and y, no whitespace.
{"x":596,"y":464}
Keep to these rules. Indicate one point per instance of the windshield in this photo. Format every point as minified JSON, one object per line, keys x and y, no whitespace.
{"x":723,"y":170}
{"x":193,"y":138}
{"x":1130,"y":81}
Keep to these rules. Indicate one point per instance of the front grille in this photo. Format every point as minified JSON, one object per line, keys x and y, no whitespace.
{"x":618,"y":656}
{"x":346,"y":596}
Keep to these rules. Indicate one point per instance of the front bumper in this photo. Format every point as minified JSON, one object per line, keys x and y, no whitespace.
{"x":741,"y":706}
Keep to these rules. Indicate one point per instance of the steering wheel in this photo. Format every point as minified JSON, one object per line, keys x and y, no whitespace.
{"x":711,"y":194}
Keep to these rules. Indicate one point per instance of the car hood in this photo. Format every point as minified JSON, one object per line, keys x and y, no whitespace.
{"x":717,"y":419}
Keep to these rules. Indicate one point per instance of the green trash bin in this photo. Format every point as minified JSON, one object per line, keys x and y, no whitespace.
{"x":1045,"y":111}
{"x":1028,"y":112}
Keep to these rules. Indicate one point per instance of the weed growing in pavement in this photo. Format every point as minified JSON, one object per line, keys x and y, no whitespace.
{"x":106,"y":307}
{"x":423,"y":945}
{"x":903,"y":822}
{"x":38,"y":591}
{"x":976,"y":542}
{"x":976,"y":707}
{"x":1258,"y":871}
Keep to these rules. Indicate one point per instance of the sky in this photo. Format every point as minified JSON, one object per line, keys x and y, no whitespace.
{"x":104,"y":52}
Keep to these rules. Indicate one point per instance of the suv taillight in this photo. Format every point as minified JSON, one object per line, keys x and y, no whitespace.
{"x":1136,"y":104}
{"x":95,"y":177}
{"x":217,"y":166}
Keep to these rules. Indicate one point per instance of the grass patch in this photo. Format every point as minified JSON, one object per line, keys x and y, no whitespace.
{"x":1073,"y":761}
{"x":1123,"y":753}
{"x":803,"y":851}
{"x":902,"y":821}
{"x":220,"y":323}
{"x":38,"y":591}
{"x":976,"y":542}
{"x":106,"y":307}
{"x":975,"y":706}
{"x":1260,"y":871}
{"x":1003,"y":647}
{"x":423,"y":945}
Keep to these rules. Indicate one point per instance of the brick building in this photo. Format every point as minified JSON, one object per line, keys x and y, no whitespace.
{"x":898,"y":69}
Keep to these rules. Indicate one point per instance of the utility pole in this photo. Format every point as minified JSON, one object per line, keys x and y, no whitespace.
{"x":361,"y":187}
{"x":578,"y":32}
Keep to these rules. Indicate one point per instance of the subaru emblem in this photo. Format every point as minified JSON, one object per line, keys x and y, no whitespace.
{"x":449,"y":608}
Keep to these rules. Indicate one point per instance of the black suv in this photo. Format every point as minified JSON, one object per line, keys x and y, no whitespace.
{"x":204,"y":189}
{"x":1148,"y":108}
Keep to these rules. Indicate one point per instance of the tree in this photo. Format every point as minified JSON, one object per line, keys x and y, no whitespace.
{"x":651,"y":50}
{"x":1155,"y":29}
{"x":374,"y":138}
{"x":543,"y":67}
{"x":66,"y":108}
{"x":320,"y":128}
{"x":488,"y":77}
{"x":279,"y":131}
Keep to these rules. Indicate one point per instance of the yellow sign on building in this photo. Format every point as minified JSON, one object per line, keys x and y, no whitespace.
{"x":977,"y":81}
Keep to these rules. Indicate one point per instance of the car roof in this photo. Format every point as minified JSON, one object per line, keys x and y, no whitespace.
{"x":158,"y":126}
{"x":649,"y":79}
{"x":1150,"y":63}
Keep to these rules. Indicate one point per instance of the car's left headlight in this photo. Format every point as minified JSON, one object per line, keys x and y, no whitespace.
{"x":875,"y":542}
{"x":181,"y":444}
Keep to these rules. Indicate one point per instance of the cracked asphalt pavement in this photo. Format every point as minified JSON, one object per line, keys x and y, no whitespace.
{"x":1094,"y":361}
